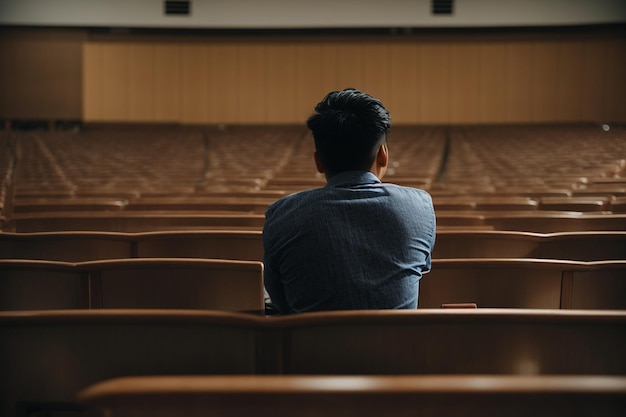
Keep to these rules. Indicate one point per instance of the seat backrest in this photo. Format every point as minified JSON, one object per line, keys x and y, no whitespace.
{"x":485,"y":244}
{"x":583,"y":246}
{"x":46,"y":357}
{"x":494,"y":282}
{"x":552,"y":222}
{"x":215,"y":244}
{"x":175,"y":283}
{"x":27,"y":284}
{"x":65,"y":246}
{"x":131,"y":222}
{"x":602,"y":285}
{"x":465,"y":341}
{"x":364,"y":395}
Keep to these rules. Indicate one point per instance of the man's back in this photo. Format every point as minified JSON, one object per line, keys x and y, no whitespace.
{"x":354,"y":244}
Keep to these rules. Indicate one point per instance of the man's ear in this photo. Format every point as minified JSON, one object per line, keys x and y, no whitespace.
{"x":318,"y":163}
{"x":382,"y":157}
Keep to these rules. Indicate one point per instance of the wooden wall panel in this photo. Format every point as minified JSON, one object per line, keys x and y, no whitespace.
{"x":518,"y":98}
{"x":594,"y":87}
{"x":195,"y":83}
{"x":545,"y":69}
{"x":403,"y":83}
{"x":349,"y":62}
{"x":281,"y":83}
{"x":463,"y":88}
{"x":114,"y":85}
{"x":167,"y":82}
{"x":92,"y":74}
{"x":252,"y":79}
{"x":41,"y":73}
{"x":614,"y":73}
{"x":492,"y":82}
{"x":569,"y":86}
{"x":311,"y":59}
{"x":433,"y":83}
{"x":141,"y":82}
{"x":375,"y":70}
{"x":224,"y":89}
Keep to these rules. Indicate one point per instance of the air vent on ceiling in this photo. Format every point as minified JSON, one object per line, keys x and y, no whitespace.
{"x":442,"y":7}
{"x":177,"y":7}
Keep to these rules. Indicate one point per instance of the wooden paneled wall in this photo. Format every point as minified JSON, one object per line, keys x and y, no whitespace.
{"x":41,"y":73}
{"x":443,"y":77}
{"x":457,"y":81}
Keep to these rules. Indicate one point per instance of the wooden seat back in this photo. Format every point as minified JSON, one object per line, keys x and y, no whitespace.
{"x":494,"y":282}
{"x":46,"y":357}
{"x":216,"y":244}
{"x":367,"y":396}
{"x":67,"y":246}
{"x":450,"y":341}
{"x":175,"y":283}
{"x":27,"y":284}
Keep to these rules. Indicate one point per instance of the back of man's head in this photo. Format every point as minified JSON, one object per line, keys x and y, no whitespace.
{"x":348,"y":127}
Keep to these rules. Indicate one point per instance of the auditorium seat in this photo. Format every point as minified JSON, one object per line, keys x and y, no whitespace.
{"x":205,"y":204}
{"x":601,"y":286}
{"x":216,"y":244}
{"x":618,"y":204}
{"x":578,"y":246}
{"x":363,"y":395}
{"x":583,"y":246}
{"x":454,"y":341}
{"x":46,"y":357}
{"x":47,"y":205}
{"x":522,"y":283}
{"x":550,"y":222}
{"x":575,"y":203}
{"x":485,"y":244}
{"x":175,"y":283}
{"x":493,"y":282}
{"x":132,"y":222}
{"x":503,"y":203}
{"x":73,"y":246}
{"x":27,"y":284}
{"x":41,"y":285}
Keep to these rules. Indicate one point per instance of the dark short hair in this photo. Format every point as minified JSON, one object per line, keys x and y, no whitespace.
{"x":348,"y":127}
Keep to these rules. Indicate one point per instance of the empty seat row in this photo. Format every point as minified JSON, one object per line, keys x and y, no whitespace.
{"x":194,"y":283}
{"x":81,"y":246}
{"x":362,"y":395}
{"x":47,"y":357}
{"x":254,"y":204}
{"x":170,"y":283}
